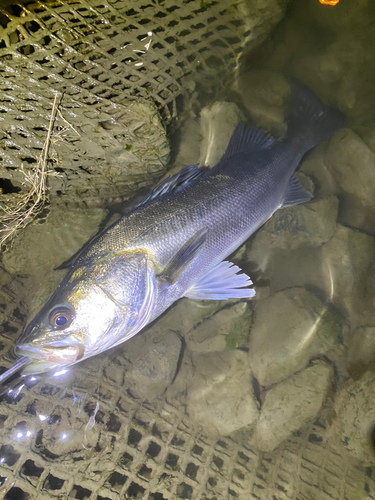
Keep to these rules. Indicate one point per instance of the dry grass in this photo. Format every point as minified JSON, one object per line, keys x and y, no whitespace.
{"x":32,"y":201}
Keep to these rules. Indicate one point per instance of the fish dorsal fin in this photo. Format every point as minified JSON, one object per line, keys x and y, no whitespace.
{"x":174,"y":183}
{"x":222,"y":283}
{"x":295,"y":193}
{"x":245,"y":139}
{"x":184,"y":256}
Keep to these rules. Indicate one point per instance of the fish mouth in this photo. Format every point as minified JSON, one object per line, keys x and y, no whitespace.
{"x":49,"y":356}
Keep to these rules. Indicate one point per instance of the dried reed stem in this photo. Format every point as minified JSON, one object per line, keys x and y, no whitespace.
{"x":32,"y":201}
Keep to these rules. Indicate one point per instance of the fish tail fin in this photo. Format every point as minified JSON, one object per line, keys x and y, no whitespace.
{"x":310,"y":118}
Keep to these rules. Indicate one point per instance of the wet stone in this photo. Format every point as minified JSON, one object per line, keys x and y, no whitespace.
{"x":227,"y":329}
{"x":289,"y":328}
{"x":361,"y":351}
{"x":41,"y":288}
{"x":308,"y":225}
{"x":220,"y":383}
{"x":188,"y":145}
{"x":217,"y":125}
{"x":290,"y":405}
{"x":186,"y":314}
{"x":264,"y":95}
{"x":354,"y":419}
{"x":47,"y":243}
{"x":151,"y":363}
{"x":352,"y":164}
{"x":314,"y":166}
{"x":346,"y":259}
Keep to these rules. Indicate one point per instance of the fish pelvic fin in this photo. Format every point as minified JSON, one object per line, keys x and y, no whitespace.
{"x":222,"y":282}
{"x":184,"y":256}
{"x":309,"y":118}
{"x":295,"y":193}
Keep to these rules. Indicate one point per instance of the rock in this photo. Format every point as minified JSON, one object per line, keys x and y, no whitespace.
{"x":289,"y":328}
{"x":186,"y":314}
{"x":188,"y":145}
{"x":352,"y":164}
{"x":264,"y":93}
{"x":361,"y":351}
{"x":217,"y":125}
{"x":147,"y":363}
{"x":219,"y":394}
{"x":346,"y":259}
{"x":278,"y":58}
{"x":367,"y":134}
{"x":46,"y":243}
{"x":308,"y":225}
{"x":41,"y":288}
{"x":295,"y":268}
{"x":290,"y":405}
{"x":340,"y":269}
{"x":354,"y":424}
{"x":13,"y":309}
{"x":314,"y":166}
{"x":227,"y":329}
{"x":151,"y":363}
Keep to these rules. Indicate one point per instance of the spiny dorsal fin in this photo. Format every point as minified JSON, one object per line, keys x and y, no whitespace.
{"x":174,"y":183}
{"x":247,"y":138}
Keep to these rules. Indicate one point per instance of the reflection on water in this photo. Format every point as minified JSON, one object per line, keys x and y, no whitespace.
{"x":271,"y":399}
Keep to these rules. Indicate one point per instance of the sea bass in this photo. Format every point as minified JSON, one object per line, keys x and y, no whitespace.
{"x":174,"y":243}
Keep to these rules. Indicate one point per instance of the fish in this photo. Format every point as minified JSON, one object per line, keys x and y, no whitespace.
{"x":175,"y":243}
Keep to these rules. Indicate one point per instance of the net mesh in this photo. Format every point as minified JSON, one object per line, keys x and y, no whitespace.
{"x":89,"y":437}
{"x":119,"y":68}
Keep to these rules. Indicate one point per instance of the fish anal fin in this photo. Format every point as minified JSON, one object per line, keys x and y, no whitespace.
{"x":222,"y":282}
{"x":184,"y":256}
{"x":295,"y":193}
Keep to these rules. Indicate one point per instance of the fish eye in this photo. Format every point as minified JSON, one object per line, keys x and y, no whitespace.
{"x":60,"y":318}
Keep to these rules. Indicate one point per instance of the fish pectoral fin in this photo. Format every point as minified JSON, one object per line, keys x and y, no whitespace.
{"x":222,"y":283}
{"x":295,"y":193}
{"x":184,"y":256}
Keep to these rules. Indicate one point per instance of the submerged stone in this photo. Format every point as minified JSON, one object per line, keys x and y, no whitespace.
{"x":219,"y":393}
{"x":188,"y":145}
{"x":264,"y":95}
{"x":361,"y":351}
{"x":151,"y":363}
{"x":227,"y":329}
{"x":352,"y":164}
{"x":46,"y":243}
{"x":346,"y":259}
{"x":290,"y":405}
{"x":354,"y":423}
{"x":217,"y":125}
{"x":289,"y":328}
{"x":308,"y":225}
{"x":41,"y":288}
{"x":148,"y":362}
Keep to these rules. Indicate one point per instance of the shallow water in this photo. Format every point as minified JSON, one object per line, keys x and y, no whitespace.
{"x":270,"y":399}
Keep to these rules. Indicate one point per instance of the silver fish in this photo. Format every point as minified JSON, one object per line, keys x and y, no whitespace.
{"x":174,"y":244}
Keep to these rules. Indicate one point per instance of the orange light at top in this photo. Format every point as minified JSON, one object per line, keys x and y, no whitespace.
{"x":329,"y":2}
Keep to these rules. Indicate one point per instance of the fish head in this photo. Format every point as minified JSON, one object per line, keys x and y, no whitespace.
{"x":97,"y":306}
